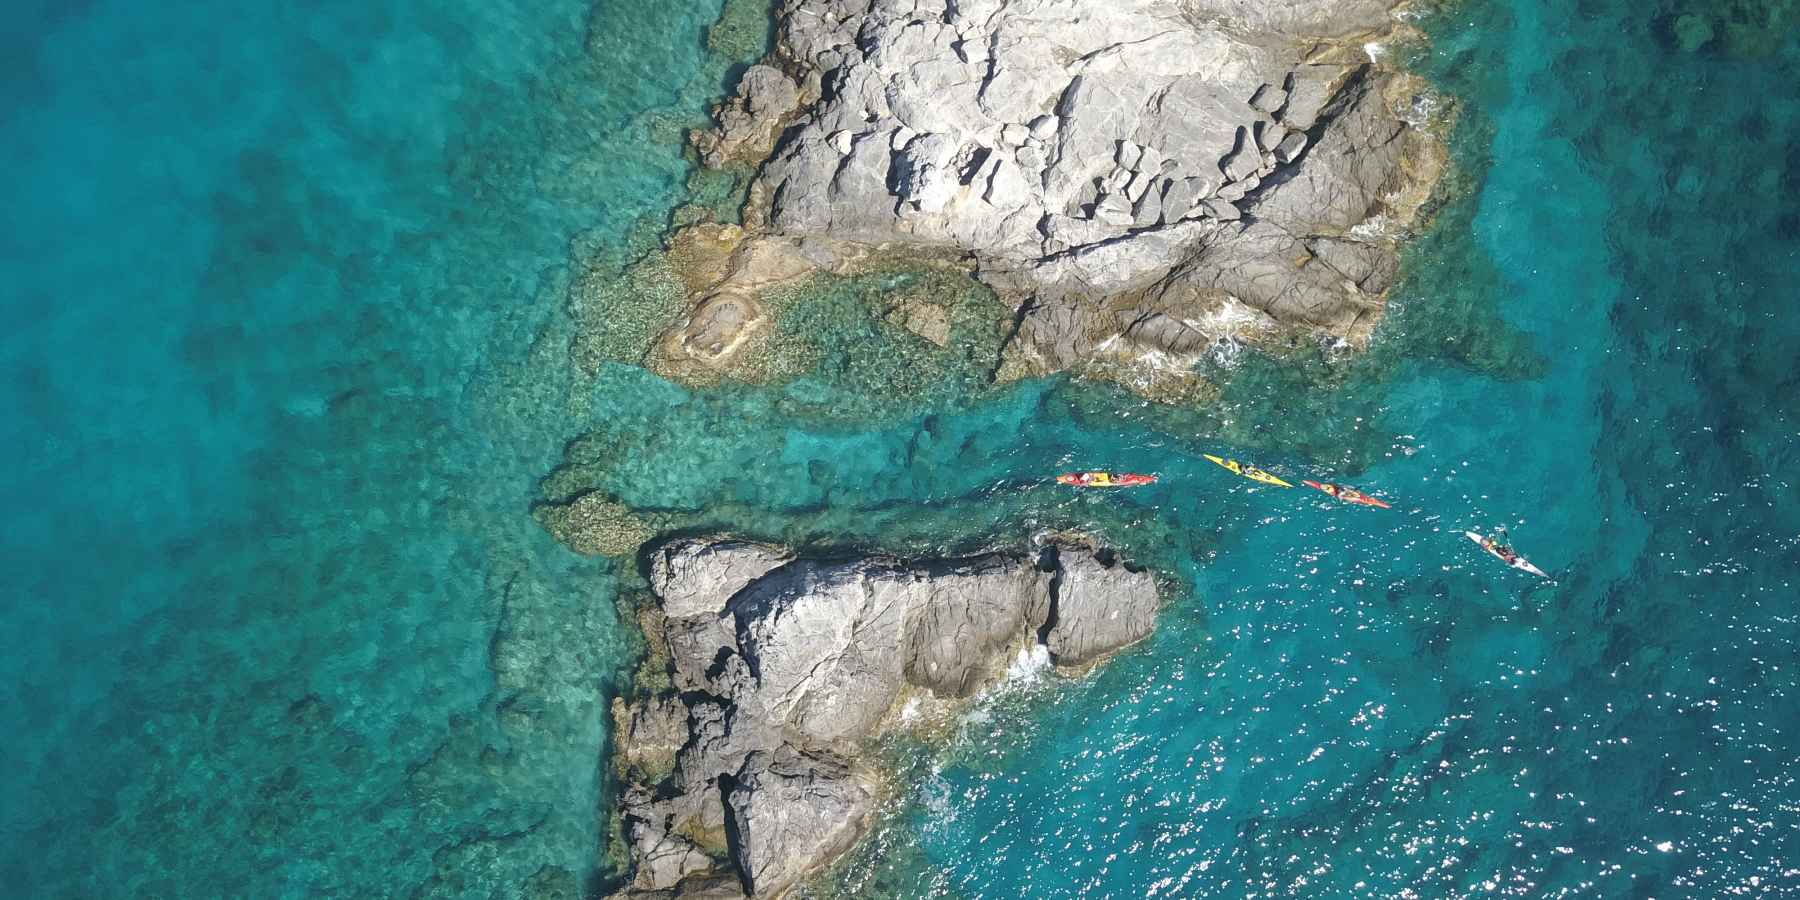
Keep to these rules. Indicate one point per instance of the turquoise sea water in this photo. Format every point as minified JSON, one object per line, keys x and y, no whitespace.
{"x":279,"y":280}
{"x":288,"y":360}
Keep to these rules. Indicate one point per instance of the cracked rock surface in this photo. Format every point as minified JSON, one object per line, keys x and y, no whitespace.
{"x":1109,"y":162}
{"x":785,"y":668}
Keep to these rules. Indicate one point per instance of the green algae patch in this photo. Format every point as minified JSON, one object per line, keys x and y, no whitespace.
{"x":618,"y":312}
{"x":876,"y":344}
{"x":891,"y":332}
{"x":596,"y":525}
{"x":745,"y":30}
{"x":1742,"y":29}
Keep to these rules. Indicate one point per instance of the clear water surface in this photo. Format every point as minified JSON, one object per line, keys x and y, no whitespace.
{"x":288,"y":360}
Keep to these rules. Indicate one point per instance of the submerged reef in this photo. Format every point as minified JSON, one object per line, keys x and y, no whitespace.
{"x":745,"y":758}
{"x":1746,"y":29}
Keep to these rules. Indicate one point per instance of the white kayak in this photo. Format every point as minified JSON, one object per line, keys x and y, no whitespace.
{"x":1517,"y":562}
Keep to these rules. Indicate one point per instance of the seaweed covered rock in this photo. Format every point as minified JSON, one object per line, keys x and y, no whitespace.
{"x":748,"y":122}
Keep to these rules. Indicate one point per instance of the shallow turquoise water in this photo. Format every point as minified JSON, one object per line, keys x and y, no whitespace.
{"x":276,"y":618}
{"x":288,"y":361}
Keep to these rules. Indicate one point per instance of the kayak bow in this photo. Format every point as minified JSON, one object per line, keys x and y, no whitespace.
{"x":1251,"y":472}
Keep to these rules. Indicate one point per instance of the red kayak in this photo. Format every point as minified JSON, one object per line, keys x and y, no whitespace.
{"x":1104,"y":479}
{"x":1347,"y":494}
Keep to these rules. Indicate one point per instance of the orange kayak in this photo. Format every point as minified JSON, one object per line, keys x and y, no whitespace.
{"x":1104,"y":479}
{"x":1347,"y":494}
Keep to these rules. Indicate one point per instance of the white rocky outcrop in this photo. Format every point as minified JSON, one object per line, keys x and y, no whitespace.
{"x":1178,"y":153}
{"x":786,"y":667}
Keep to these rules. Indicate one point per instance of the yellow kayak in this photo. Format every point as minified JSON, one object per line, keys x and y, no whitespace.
{"x":1251,"y":472}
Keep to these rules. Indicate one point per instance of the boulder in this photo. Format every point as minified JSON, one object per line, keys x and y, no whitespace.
{"x":748,"y":122}
{"x":823,"y":644}
{"x":1300,"y":18}
{"x":696,"y":578}
{"x":786,"y":667}
{"x":704,"y":886}
{"x":790,"y":812}
{"x":970,"y":617}
{"x":664,"y":862}
{"x":651,"y":732}
{"x":1101,"y":606}
{"x":1355,"y":161}
{"x":1070,"y":148}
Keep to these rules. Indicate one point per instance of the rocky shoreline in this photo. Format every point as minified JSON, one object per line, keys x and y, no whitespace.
{"x":1137,"y":179}
{"x":748,"y":771}
{"x":1139,"y":182}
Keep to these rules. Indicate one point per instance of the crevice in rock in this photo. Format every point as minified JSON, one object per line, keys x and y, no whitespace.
{"x":1050,"y":560}
{"x":1012,"y":334}
{"x":977,"y":159}
{"x":720,"y":661}
{"x":734,"y":841}
{"x":1352,"y":90}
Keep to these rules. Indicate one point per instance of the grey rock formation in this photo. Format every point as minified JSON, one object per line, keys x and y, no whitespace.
{"x":707,"y":886}
{"x":1100,"y":605}
{"x":749,"y":121}
{"x":956,"y":635}
{"x":695,"y":578}
{"x":786,"y":667}
{"x":652,"y":733}
{"x":789,"y":811}
{"x":823,"y":646}
{"x":1085,"y":149}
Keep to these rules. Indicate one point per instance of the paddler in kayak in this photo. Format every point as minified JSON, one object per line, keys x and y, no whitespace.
{"x":1248,"y":471}
{"x":1347,"y":494}
{"x":1496,"y":545}
{"x":1507,"y":554}
{"x":1104,"y":479}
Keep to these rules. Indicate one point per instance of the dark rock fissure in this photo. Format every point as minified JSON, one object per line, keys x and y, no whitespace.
{"x":734,"y":841}
{"x":1048,"y":562}
{"x":1012,"y":334}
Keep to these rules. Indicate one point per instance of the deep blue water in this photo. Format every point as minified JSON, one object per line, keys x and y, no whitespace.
{"x":288,"y":358}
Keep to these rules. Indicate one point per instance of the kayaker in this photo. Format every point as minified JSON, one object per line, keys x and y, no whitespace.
{"x":1506,"y":550}
{"x":1507,"y":554}
{"x":1329,"y":488}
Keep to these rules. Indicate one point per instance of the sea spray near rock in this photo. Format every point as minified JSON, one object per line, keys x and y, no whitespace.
{"x":787,"y":668}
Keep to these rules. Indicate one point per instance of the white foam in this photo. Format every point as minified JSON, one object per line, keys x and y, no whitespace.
{"x":1029,"y":666}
